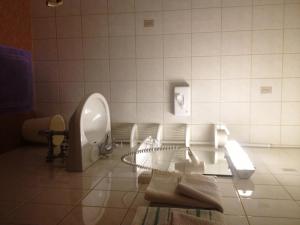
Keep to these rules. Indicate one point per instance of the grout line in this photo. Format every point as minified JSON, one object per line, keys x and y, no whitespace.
{"x":251,"y":78}
{"x":282,"y":64}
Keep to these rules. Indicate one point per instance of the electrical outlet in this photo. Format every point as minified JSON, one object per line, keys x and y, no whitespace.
{"x":266,"y":90}
{"x":149,"y":23}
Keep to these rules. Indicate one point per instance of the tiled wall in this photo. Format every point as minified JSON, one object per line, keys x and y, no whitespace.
{"x":226,"y":50}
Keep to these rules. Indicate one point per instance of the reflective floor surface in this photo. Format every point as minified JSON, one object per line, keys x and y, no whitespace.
{"x":34,"y":192}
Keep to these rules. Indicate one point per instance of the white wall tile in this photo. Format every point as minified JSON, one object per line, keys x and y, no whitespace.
{"x":266,"y":65}
{"x":236,"y":18}
{"x":206,"y":3}
{"x":176,"y":4}
{"x":236,"y":66}
{"x":227,"y":3}
{"x":96,"y":70}
{"x":47,"y":109}
{"x":71,"y":71}
{"x":95,"y":48}
{"x":150,"y":112}
{"x":70,"y":49}
{"x":177,"y":45}
{"x":43,"y":28}
{"x":235,"y":90}
{"x":67,"y":110}
{"x":241,"y":133}
{"x":206,"y":67}
{"x":256,"y":94}
{"x":169,"y":116}
{"x":206,"y":44}
{"x":122,"y":24}
{"x":94,"y":7}
{"x":149,"y":69}
{"x":291,"y":65}
{"x":117,"y":6}
{"x":69,"y":8}
{"x":265,"y":134}
{"x":206,"y":91}
{"x":265,"y":113}
{"x":100,"y":87}
{"x":45,"y":49}
{"x":47,"y":92}
{"x":176,"y":22}
{"x":122,"y":47}
{"x":150,"y":91}
{"x":206,"y":20}
{"x":268,"y":17}
{"x":290,"y":89}
{"x":123,"y":91}
{"x":292,"y":41}
{"x":203,"y":113}
{"x":72,"y":91}
{"x":149,"y":46}
{"x":148,"y":5}
{"x":68,"y":27}
{"x":235,"y":113}
{"x":292,"y":1}
{"x":155,"y":29}
{"x":267,"y":2}
{"x":290,"y":113}
{"x":267,"y":41}
{"x":94,"y":25}
{"x":290,"y":135}
{"x":123,"y":112}
{"x":123,"y":69}
{"x":236,"y":43}
{"x":177,"y":68}
{"x":292,"y":15}
{"x":202,"y":133}
{"x":46,"y":71}
{"x":39,"y":9}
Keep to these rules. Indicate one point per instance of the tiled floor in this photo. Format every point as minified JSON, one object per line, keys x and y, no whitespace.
{"x":34,"y":192}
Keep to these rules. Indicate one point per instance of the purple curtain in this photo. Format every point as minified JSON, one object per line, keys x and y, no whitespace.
{"x":16,"y":88}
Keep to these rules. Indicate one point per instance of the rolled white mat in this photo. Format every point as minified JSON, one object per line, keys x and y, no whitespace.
{"x":31,"y":128}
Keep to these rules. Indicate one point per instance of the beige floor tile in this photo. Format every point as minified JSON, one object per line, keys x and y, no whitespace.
{"x":40,"y":214}
{"x":271,"y":208}
{"x":17,"y":193}
{"x":129,"y":216}
{"x":94,"y":216}
{"x":235,"y":220}
{"x":115,"y":199}
{"x":294,"y":192}
{"x":70,"y":182}
{"x":267,"y":179}
{"x":118,"y":184}
{"x":227,"y":190}
{"x":284,"y":170}
{"x":123,"y":172}
{"x":288,"y":179}
{"x":272,"y":221}
{"x":140,"y":201}
{"x":224,"y":180}
{"x":60,"y":196}
{"x":232,"y":206}
{"x":6,"y":208}
{"x":266,"y":192}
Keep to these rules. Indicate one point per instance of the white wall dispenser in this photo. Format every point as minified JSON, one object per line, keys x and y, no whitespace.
{"x":182,"y":100}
